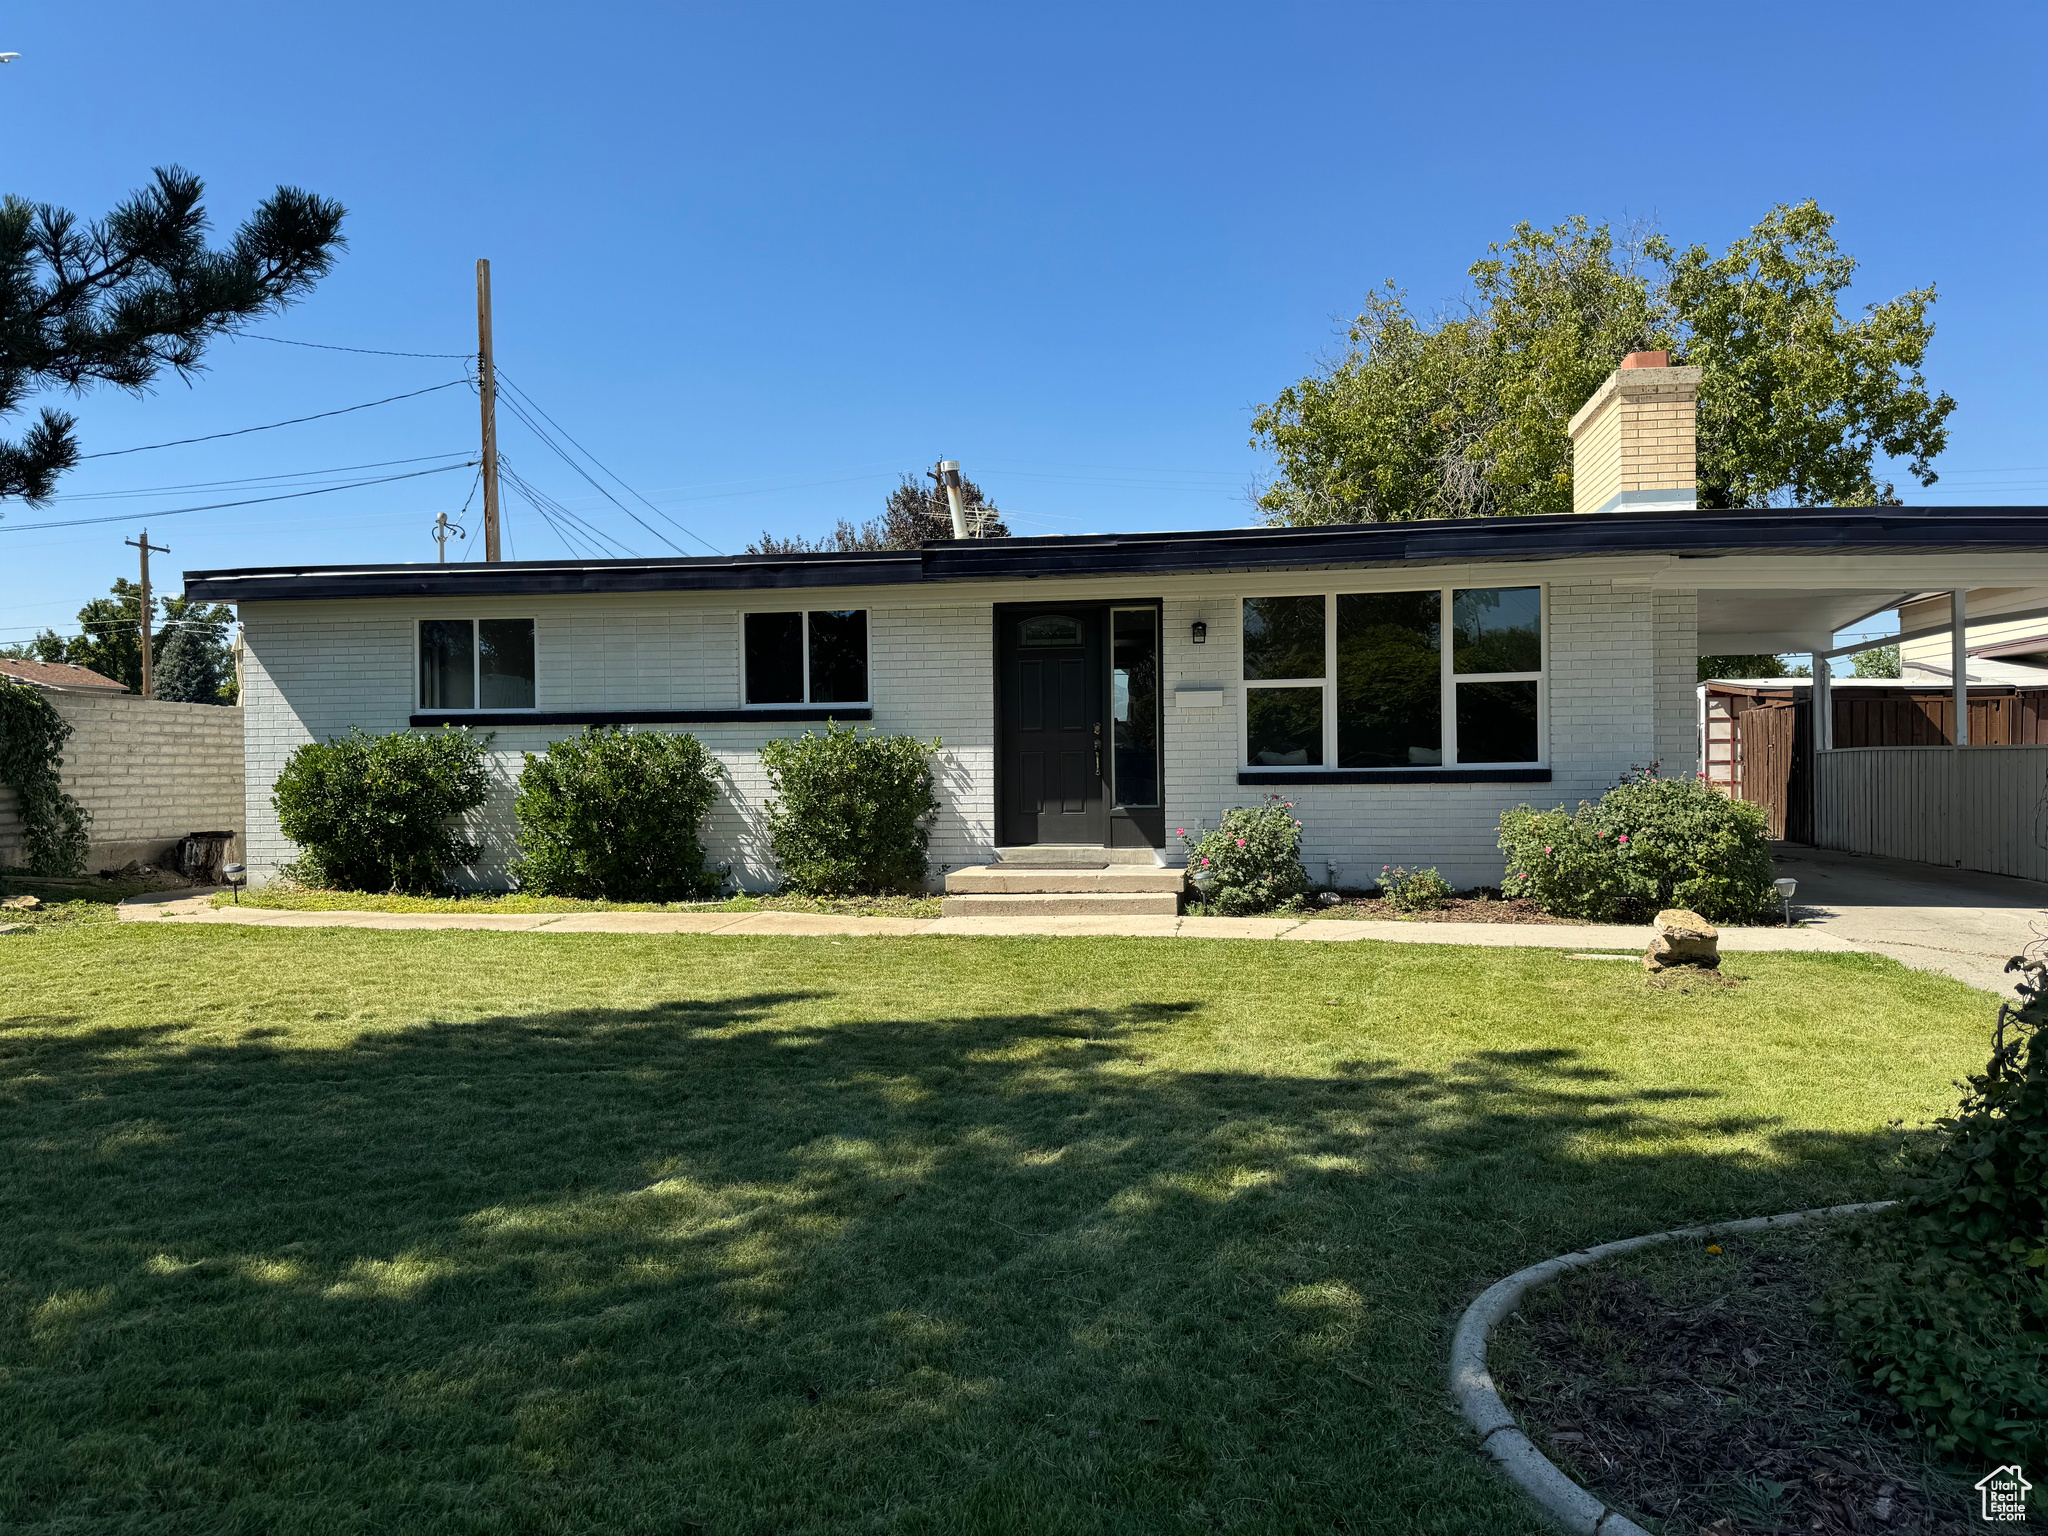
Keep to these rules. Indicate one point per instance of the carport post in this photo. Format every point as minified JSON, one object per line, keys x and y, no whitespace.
{"x":1823,"y":704}
{"x":1959,"y":661}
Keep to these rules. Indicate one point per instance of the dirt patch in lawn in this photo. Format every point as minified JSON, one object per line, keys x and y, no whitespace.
{"x":1698,"y":1389}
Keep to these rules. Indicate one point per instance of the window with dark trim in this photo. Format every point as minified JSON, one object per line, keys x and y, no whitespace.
{"x":476,"y":664}
{"x":813,"y":657}
{"x":1419,"y":681}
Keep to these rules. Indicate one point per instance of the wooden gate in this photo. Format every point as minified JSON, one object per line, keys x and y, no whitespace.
{"x":1776,"y":767}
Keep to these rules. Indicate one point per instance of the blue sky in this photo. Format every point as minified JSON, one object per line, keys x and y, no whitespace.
{"x":760,"y":259}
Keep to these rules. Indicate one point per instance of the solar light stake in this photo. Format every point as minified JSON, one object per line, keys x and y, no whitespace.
{"x":234,"y":874}
{"x":1785,"y":887}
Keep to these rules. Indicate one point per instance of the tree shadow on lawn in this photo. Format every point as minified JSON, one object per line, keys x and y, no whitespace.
{"x":699,"y":1266}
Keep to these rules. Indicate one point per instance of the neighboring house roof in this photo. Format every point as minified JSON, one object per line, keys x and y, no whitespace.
{"x":1762,"y":531}
{"x":61,"y":675}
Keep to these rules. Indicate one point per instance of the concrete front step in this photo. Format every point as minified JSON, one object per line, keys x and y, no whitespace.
{"x":1076,"y":856}
{"x":1029,"y":879}
{"x":1065,"y":904}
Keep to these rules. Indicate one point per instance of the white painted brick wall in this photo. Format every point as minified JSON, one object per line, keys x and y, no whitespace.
{"x":1620,"y":684}
{"x":310,"y":674}
{"x":148,"y":771}
{"x":1602,"y":699}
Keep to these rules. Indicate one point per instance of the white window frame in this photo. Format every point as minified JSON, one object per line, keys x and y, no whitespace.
{"x":1448,"y":681}
{"x":868,"y":628}
{"x":476,"y":664}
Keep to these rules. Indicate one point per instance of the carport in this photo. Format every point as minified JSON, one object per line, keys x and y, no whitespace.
{"x":1961,"y":805}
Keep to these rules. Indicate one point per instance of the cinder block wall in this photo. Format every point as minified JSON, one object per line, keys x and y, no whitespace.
{"x":149,"y":772}
{"x":1620,"y":694}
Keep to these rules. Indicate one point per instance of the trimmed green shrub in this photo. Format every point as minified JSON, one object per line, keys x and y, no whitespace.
{"x":612,"y":815}
{"x":1251,"y":862}
{"x":849,"y":811}
{"x":32,"y":737}
{"x":1414,"y":890}
{"x":1945,"y":1306}
{"x":1650,"y":843}
{"x":374,"y":813}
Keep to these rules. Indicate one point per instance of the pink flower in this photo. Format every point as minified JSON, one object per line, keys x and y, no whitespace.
{"x":1624,"y":837}
{"x":1240,"y":842}
{"x":1205,"y":861}
{"x":1180,"y":831}
{"x":1547,"y":850}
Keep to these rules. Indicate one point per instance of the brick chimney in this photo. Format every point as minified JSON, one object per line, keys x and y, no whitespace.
{"x":1632,"y":443}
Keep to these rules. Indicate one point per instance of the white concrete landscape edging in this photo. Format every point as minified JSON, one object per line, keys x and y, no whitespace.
{"x":1501,"y":1438}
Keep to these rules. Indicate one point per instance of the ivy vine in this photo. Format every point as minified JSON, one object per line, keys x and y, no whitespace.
{"x":32,"y":737}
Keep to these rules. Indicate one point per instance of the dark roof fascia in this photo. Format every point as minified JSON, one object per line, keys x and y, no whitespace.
{"x":1685,"y":535}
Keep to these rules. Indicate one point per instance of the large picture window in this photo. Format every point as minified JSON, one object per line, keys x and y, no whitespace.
{"x":476,"y":664}
{"x":818,"y":657}
{"x":1427,"y":679}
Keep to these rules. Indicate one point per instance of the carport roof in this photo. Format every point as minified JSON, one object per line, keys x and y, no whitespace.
{"x":1680,"y":535}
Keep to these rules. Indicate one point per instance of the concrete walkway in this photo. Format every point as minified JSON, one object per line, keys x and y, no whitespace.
{"x":1951,"y":920}
{"x":182,"y":907}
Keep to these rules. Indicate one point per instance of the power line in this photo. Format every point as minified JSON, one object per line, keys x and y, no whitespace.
{"x":513,"y":406}
{"x":561,"y":519}
{"x":325,"y":346}
{"x":282,"y":475}
{"x":321,"y":490}
{"x":115,"y":453}
{"x":522,"y":395}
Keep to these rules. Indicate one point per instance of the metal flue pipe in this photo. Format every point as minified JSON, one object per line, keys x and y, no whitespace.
{"x":949,"y":477}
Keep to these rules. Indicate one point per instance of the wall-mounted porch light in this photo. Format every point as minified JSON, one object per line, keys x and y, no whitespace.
{"x":1200,"y":631}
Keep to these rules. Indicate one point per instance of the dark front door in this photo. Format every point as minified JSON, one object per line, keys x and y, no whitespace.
{"x":1051,"y":725}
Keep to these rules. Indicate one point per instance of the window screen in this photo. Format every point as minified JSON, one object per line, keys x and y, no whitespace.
{"x":505,"y":663}
{"x":839,"y":657}
{"x":447,"y":664}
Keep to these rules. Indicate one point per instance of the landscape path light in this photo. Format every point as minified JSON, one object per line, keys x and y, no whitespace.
{"x":1785,"y":886}
{"x":236,"y":877}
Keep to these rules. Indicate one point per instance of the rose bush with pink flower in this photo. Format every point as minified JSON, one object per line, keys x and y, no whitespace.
{"x":1649,"y":843}
{"x":1251,"y":862}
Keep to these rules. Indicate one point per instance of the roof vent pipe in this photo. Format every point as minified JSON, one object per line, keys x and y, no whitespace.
{"x":949,"y":477}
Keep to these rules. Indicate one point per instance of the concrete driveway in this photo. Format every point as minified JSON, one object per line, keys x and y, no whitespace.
{"x":1952,"y":920}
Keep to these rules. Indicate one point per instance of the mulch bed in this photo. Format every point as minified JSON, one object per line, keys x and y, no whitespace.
{"x":1355,"y":906}
{"x":1701,"y":1393}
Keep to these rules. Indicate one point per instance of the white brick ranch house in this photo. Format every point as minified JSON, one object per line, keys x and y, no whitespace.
{"x":1403,"y":683}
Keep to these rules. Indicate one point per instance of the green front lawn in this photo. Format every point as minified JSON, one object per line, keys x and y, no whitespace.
{"x":295,"y":898}
{"x":333,"y":1231}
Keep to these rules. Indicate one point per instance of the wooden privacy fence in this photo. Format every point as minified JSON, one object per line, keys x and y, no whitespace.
{"x":1982,"y":808}
{"x":1900,"y":719}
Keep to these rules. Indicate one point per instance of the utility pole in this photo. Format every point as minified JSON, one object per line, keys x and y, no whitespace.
{"x":487,"y":391}
{"x":143,"y":544}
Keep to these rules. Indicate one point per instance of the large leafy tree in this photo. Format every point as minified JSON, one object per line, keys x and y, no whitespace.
{"x":1464,"y":415}
{"x":191,"y":652}
{"x":914,"y":514}
{"x":119,"y":300}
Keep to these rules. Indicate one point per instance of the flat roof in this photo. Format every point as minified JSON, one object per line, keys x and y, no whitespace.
{"x":1754,"y":530}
